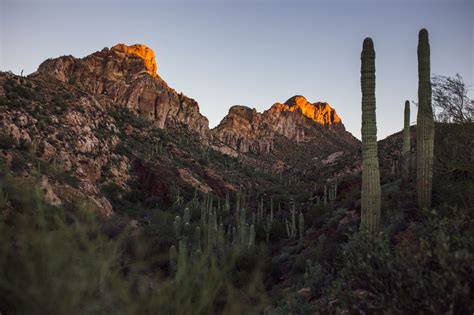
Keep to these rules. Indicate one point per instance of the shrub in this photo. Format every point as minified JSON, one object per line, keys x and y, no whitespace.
{"x":55,"y":261}
{"x":434,"y":274}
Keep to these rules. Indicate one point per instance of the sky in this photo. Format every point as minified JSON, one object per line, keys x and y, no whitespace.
{"x":256,"y":53}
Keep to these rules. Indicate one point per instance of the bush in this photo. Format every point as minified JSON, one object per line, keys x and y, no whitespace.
{"x":434,"y":273}
{"x":55,"y":261}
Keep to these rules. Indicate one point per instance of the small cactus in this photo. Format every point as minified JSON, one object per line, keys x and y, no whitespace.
{"x":211,"y":230}
{"x":406,"y":142}
{"x":393,"y":168}
{"x":333,"y":192}
{"x":173,"y":259}
{"x":203,"y":216}
{"x":260,"y":211}
{"x":186,"y":230}
{"x":268,"y":226}
{"x":291,"y":227}
{"x":197,"y":239}
{"x":234,"y":236}
{"x":187,"y":216}
{"x":182,"y":257}
{"x":244,"y":234}
{"x":325,"y":198}
{"x":227,"y":203}
{"x":301,"y":225}
{"x":220,"y":237}
{"x":177,"y":228}
{"x":271,"y":209}
{"x":252,"y":236}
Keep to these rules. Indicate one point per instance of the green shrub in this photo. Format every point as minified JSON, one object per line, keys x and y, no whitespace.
{"x":55,"y":261}
{"x":431,"y":272}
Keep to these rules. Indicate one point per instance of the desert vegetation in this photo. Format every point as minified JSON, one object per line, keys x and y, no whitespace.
{"x":192,"y":230}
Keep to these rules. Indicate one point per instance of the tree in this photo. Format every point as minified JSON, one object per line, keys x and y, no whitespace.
{"x":450,"y":99}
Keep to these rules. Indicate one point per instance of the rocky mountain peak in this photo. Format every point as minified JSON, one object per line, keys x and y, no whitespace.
{"x":320,"y":112}
{"x":246,"y":130}
{"x":126,"y":76}
{"x":141,"y":51}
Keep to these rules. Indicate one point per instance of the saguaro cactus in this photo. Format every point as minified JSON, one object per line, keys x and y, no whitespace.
{"x":177,"y":228}
{"x":252,"y":236}
{"x":301,"y":225}
{"x":267,"y":227}
{"x":424,"y":124}
{"x":187,"y":215}
{"x":406,"y":142}
{"x":173,"y":259}
{"x":333,"y":192}
{"x":197,"y":240}
{"x":370,"y":195}
{"x":291,"y":228}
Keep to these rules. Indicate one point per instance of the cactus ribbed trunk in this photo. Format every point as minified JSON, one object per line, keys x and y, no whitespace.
{"x":424,"y":124}
{"x":406,"y":143}
{"x":370,"y":195}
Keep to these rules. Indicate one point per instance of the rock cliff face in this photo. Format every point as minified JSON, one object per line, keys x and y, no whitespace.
{"x":76,"y":118}
{"x":142,"y":52}
{"x":126,"y":76}
{"x":246,"y":130}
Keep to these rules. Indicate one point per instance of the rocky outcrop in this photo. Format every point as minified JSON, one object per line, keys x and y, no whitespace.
{"x":126,"y":76}
{"x":246,"y":130}
{"x":142,"y":52}
{"x":321,"y":113}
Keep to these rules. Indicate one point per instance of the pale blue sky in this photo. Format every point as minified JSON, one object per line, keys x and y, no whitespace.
{"x":255,"y":53}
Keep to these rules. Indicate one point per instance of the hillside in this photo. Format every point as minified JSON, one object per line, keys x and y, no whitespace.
{"x":109,"y":119}
{"x":117,"y":198}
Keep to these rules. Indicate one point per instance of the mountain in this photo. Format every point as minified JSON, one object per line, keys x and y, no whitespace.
{"x":297,"y":119}
{"x":105,"y":170}
{"x":126,"y":76}
{"x":109,"y":120}
{"x":296,"y":136}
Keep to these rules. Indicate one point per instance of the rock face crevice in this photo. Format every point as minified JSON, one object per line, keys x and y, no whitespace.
{"x":126,"y":76}
{"x":246,"y":130}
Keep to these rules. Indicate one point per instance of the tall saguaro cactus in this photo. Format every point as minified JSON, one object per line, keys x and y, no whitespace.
{"x":406,"y":142}
{"x":370,"y":203}
{"x":424,"y":124}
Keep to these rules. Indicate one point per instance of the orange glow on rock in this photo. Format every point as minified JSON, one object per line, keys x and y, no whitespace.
{"x":142,"y":52}
{"x":321,"y":113}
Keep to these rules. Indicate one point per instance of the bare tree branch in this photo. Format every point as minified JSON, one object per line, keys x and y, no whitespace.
{"x":450,"y":99}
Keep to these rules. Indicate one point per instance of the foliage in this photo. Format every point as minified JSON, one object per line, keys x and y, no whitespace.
{"x":450,"y":99}
{"x":61,"y":262}
{"x":431,"y":272}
